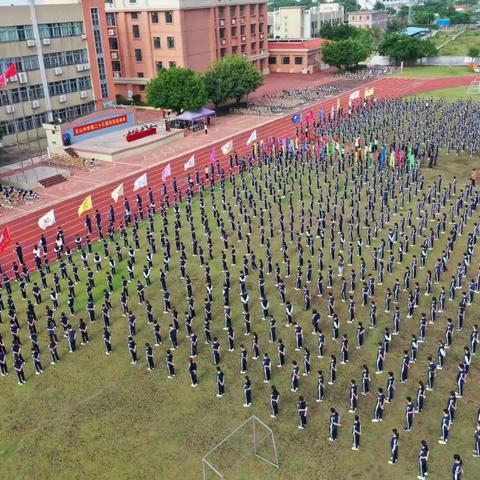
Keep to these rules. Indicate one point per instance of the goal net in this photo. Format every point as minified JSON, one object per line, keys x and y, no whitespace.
{"x":474,"y":87}
{"x":249,"y":452}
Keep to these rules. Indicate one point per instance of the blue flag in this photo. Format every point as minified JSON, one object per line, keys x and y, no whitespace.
{"x":297,"y":118}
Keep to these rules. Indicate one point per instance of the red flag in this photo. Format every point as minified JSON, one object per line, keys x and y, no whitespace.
{"x":213,"y":156}
{"x":3,"y":80}
{"x":11,"y":71}
{"x":309,"y":116}
{"x":5,"y":239}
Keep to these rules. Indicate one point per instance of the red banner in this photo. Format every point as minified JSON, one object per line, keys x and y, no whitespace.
{"x":101,"y":124}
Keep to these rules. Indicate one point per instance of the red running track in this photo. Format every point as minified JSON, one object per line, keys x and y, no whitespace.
{"x":26,"y":231}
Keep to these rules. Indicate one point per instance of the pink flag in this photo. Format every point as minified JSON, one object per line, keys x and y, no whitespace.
{"x":167,"y":171}
{"x":3,"y":80}
{"x":213,"y":156}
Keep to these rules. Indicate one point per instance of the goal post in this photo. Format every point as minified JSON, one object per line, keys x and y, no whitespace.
{"x":474,"y":87}
{"x":249,"y":451}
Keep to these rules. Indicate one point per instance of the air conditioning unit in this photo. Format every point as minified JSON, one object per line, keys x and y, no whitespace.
{"x":10,"y":109}
{"x":114,"y":55}
{"x":116,"y":75}
{"x":86,"y":66}
{"x":30,"y":43}
{"x":58,"y":70}
{"x":112,"y":32}
{"x":35,"y":104}
{"x":46,"y":41}
{"x":22,"y":77}
{"x":244,"y":38}
{"x":80,"y":67}
{"x":83,"y":94}
{"x":62,"y":98}
{"x":83,"y":36}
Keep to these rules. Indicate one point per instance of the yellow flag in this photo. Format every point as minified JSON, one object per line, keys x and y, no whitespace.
{"x":85,"y":205}
{"x":369,"y":92}
{"x":338,"y":103}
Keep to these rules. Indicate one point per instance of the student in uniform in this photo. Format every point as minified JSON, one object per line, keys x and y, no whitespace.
{"x":294,"y":376}
{"x":132,"y":348}
{"x":220,"y":381}
{"x":18,"y":365}
{"x":356,"y":433}
{"x":247,"y":392}
{"x":421,"y":395}
{"x":192,"y":370}
{"x":274,"y":401}
{"x":320,"y":386}
{"x":107,"y":341}
{"x":457,"y":467}
{"x":379,"y":407}
{"x":333,"y":424}
{"x":82,"y":326}
{"x":302,"y":410}
{"x":36,"y":361}
{"x":445,"y":427}
{"x":476,"y":448}
{"x":170,"y":364}
{"x":215,"y":351}
{"x":365,"y":380}
{"x":353,"y":396}
{"x":422,"y":460}
{"x":149,"y":357}
{"x":394,"y":447}
{"x":409,"y":413}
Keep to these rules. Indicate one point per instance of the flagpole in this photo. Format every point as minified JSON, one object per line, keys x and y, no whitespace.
{"x":26,"y":126}
{"x":10,"y":102}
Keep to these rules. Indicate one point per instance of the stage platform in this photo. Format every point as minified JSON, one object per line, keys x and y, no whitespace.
{"x":113,"y":146}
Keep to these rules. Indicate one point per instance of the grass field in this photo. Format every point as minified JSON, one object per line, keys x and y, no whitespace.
{"x":433,"y":72}
{"x":460,"y":45}
{"x":95,"y":416}
{"x":450,"y":94}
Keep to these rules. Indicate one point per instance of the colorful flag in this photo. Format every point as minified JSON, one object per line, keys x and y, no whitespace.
{"x":47,"y":220}
{"x":5,"y":239}
{"x":190,"y":163}
{"x":369,"y":92}
{"x":167,"y":171}
{"x":252,"y":138}
{"x":354,"y":95}
{"x":338,"y":103}
{"x":117,"y":193}
{"x":213,"y":156}
{"x":11,"y":71}
{"x":3,"y":80}
{"x":309,"y":116}
{"x":85,"y":205}
{"x":297,"y":118}
{"x":227,"y":148}
{"x":141,"y":182}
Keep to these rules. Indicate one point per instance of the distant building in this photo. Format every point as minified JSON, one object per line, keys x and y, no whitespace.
{"x":396,"y":4}
{"x":61,"y":52}
{"x":147,"y":36}
{"x":302,"y":23}
{"x":295,"y":56}
{"x":416,"y":32}
{"x":368,"y":19}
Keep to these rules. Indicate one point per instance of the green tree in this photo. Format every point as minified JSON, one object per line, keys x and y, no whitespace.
{"x":238,"y":77}
{"x":218,"y":83}
{"x":338,"y":32}
{"x":404,"y":48}
{"x":176,"y":89}
{"x":474,"y":52}
{"x":379,"y":5}
{"x":346,"y":54}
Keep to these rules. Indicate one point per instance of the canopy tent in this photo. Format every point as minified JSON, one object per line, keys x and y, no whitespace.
{"x":195,"y":116}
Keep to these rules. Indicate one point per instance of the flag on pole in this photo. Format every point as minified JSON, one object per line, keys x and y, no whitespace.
{"x":369,"y":92}
{"x":297,"y":118}
{"x":47,"y":220}
{"x":227,"y":148}
{"x":117,"y":193}
{"x":11,"y":71}
{"x":190,"y":163}
{"x":5,"y":239}
{"x":252,"y":138}
{"x":309,"y":116}
{"x":213,"y":156}
{"x":85,"y":205}
{"x":354,"y":95}
{"x":141,"y":182}
{"x":167,"y":171}
{"x":338,"y":103}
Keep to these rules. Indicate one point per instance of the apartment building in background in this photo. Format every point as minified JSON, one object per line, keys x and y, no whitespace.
{"x":146,"y":36}
{"x":62,"y":56}
{"x":396,"y":4}
{"x":294,"y":23}
{"x":368,"y":19}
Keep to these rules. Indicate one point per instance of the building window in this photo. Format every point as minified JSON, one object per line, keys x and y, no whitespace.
{"x":116,"y":66}
{"x":138,"y":54}
{"x":221,"y":12}
{"x":156,"y":42}
{"x":233,"y":31}
{"x":272,"y":60}
{"x":113,"y":43}
{"x":298,"y":60}
{"x":233,"y":11}
{"x":169,"y":17}
{"x":234,"y":50}
{"x":171,"y":42}
{"x":140,"y":75}
{"x":242,"y":30}
{"x":134,"y":15}
{"x":141,"y":88}
{"x":172,"y":64}
{"x":285,"y":60}
{"x":97,"y":37}
{"x":154,"y":17}
{"x":136,"y":31}
{"x":253,"y":28}
{"x":111,"y":19}
{"x":158,"y":66}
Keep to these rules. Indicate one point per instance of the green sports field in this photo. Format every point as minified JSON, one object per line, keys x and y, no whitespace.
{"x":98,"y":416}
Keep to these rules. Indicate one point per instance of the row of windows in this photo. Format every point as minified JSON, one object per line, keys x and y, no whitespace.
{"x":233,"y":10}
{"x":20,"y":33}
{"x":50,"y":60}
{"x":35,"y":121}
{"x":285,"y":60}
{"x":69,"y":86}
{"x":168,"y":17}
{"x":157,"y":43}
{"x":97,"y":36}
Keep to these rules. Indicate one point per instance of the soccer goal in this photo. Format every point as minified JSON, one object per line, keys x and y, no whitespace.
{"x":249,"y":452}
{"x":474,"y":87}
